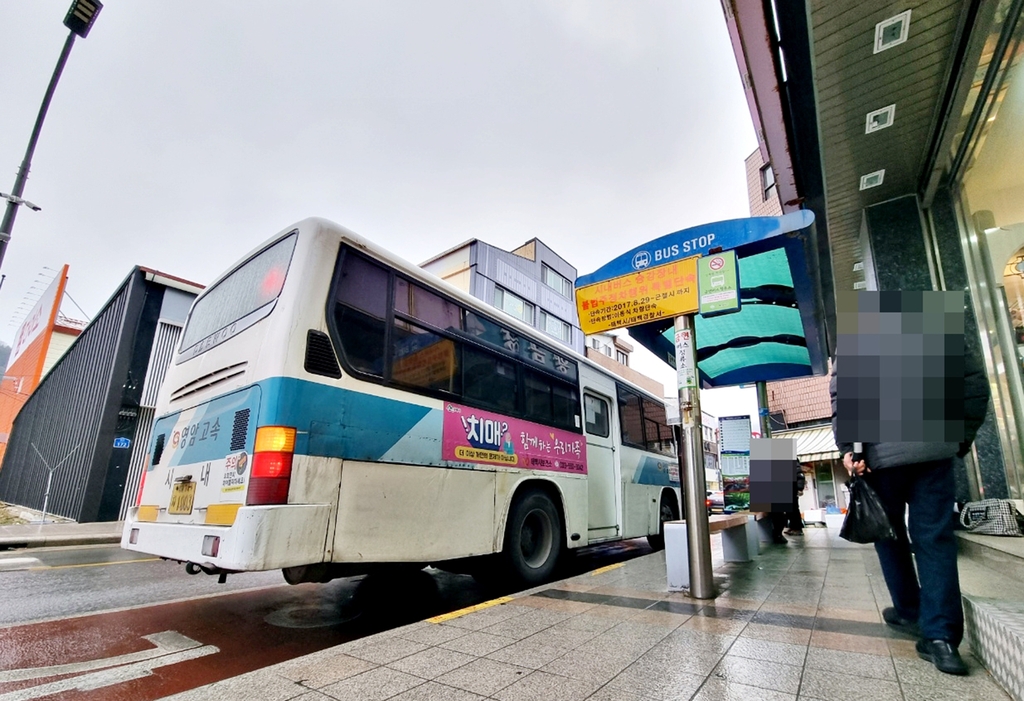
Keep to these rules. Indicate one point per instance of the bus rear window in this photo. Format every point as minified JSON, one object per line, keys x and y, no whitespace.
{"x":239,"y":300}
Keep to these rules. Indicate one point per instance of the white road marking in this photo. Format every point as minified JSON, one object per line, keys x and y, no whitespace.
{"x":11,"y":564}
{"x":108,"y":677}
{"x":167,"y":642}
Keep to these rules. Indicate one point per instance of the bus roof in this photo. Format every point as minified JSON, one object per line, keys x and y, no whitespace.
{"x":416,"y":272}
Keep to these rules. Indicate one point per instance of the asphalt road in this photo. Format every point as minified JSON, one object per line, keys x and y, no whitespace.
{"x":98,"y":622}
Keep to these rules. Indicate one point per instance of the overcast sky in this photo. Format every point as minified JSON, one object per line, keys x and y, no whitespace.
{"x":183,"y":134}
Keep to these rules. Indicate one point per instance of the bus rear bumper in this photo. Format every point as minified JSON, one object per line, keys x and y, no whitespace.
{"x":261,"y":538}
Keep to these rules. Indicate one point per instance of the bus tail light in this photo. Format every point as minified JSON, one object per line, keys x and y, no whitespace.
{"x":211,"y":545}
{"x":271,"y":466}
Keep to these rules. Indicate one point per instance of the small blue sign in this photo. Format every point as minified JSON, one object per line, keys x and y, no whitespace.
{"x":122,"y":442}
{"x":698,"y":240}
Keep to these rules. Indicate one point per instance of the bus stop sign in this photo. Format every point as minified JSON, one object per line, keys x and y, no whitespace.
{"x":658,"y":280}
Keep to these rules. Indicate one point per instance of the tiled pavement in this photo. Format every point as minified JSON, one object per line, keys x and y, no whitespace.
{"x":800,"y":622}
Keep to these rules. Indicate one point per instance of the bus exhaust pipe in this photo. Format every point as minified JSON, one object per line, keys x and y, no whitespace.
{"x":195,"y":568}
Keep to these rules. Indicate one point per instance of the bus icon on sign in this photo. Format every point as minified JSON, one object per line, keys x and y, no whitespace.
{"x":122,"y":442}
{"x":641,"y":260}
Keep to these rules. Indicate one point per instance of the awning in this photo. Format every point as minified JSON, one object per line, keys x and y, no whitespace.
{"x":779,"y":331}
{"x":814,"y":443}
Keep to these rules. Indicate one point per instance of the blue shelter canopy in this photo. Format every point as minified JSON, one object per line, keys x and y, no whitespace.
{"x":779,"y":332}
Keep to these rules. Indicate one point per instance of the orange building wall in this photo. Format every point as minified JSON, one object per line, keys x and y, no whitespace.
{"x":23,"y":376}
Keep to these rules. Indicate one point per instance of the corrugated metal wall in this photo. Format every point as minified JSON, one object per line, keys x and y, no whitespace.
{"x":166,"y":340}
{"x":64,"y":414}
{"x":139,"y":450}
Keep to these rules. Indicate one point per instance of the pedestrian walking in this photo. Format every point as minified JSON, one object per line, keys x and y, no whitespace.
{"x":796,"y":521}
{"x":783,"y":517}
{"x":916,"y":476}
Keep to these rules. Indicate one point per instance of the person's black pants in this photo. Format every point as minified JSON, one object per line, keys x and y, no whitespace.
{"x":796,"y":521}
{"x":787,"y":519}
{"x":931,"y":595}
{"x":779,"y":521}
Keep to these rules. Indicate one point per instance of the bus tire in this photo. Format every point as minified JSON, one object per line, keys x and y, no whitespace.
{"x":534,"y":538}
{"x":667,"y":511}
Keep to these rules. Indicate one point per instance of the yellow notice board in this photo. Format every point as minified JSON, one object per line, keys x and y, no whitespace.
{"x":665,"y":291}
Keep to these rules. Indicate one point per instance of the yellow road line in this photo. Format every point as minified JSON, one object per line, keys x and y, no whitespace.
{"x":93,"y":564}
{"x":606,"y":568}
{"x":469,"y":609}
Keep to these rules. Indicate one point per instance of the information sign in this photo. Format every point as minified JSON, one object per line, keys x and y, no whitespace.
{"x":718,"y":283}
{"x":734,"y":448}
{"x":662,"y":292}
{"x":686,"y":367}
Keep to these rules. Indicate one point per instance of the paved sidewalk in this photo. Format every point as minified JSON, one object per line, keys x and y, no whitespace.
{"x":56,"y":534}
{"x":802,"y":621}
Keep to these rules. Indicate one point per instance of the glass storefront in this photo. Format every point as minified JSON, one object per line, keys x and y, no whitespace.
{"x":987,"y":160}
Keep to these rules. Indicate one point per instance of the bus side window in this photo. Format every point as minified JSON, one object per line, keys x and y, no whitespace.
{"x":658,"y":433}
{"x":597,"y":418}
{"x":360,"y":313}
{"x":539,"y":407}
{"x":567,"y":405}
{"x":488,"y":380}
{"x":630,"y":418}
{"x":419,"y":303}
{"x":423,"y":359}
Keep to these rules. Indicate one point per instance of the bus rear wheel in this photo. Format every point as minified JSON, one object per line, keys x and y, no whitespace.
{"x":668,"y":511}
{"x":534,"y":540}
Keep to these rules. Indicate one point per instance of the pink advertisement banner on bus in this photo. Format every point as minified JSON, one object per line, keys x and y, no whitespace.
{"x":475,"y":436}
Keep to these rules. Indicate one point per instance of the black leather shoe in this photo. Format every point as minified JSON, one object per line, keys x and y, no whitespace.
{"x":779,"y":540}
{"x":943,"y":655}
{"x":898,"y":622}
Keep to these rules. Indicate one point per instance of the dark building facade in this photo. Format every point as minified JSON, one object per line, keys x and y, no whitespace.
{"x":902,"y":128}
{"x":93,"y":411}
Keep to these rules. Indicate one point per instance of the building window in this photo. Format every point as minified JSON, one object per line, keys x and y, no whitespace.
{"x":595,"y":344}
{"x":767,"y":182}
{"x":554,"y":326}
{"x":513,"y":305}
{"x":622,"y":357}
{"x":556,"y":282}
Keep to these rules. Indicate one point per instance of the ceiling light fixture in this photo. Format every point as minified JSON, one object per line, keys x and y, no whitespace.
{"x":892,"y":32}
{"x":880,"y":119}
{"x":872,"y":179}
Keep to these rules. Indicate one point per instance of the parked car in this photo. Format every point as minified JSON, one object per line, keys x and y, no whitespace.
{"x":715,"y":502}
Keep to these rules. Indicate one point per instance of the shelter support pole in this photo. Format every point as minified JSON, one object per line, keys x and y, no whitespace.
{"x":698,"y":533}
{"x":762,"y":410}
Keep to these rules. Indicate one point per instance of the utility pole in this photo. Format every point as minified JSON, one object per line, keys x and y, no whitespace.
{"x":79,"y":20}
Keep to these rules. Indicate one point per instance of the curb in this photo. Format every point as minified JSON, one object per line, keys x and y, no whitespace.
{"x":12,"y":543}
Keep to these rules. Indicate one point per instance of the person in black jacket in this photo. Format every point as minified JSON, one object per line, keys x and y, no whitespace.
{"x":918,"y":475}
{"x":796,"y":521}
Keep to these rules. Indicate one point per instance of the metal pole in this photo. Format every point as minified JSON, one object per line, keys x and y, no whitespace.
{"x":46,"y":497}
{"x":698,"y":534}
{"x":51,"y":470}
{"x":762,"y":410}
{"x":19,"y":184}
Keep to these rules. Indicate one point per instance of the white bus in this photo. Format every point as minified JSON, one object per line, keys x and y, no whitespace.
{"x":331,"y":407}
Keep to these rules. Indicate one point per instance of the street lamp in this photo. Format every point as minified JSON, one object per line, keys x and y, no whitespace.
{"x":79,"y":20}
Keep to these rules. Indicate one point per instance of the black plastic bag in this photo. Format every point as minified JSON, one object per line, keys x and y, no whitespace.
{"x":866,"y":521}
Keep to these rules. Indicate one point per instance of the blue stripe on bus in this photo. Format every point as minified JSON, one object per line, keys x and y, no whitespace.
{"x":342,"y":423}
{"x":655,"y":472}
{"x":336,"y":422}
